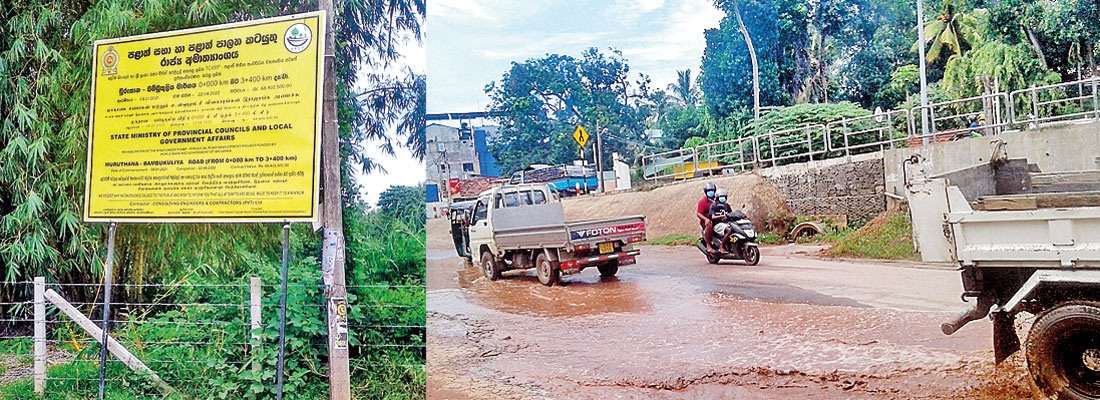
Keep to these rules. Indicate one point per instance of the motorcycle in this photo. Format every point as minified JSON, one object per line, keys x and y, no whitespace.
{"x":740,"y":246}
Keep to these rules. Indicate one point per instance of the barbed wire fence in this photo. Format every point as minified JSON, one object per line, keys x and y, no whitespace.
{"x":209,"y":340}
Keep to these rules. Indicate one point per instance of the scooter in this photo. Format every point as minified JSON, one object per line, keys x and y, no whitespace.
{"x":740,"y":246}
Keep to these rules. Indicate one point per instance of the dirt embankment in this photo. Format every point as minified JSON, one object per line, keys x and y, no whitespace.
{"x":670,"y":209}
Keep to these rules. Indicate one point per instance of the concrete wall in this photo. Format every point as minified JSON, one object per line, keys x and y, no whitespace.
{"x":1072,"y":147}
{"x":841,"y":186}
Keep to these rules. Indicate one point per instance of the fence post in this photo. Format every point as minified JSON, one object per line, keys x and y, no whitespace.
{"x":1095,"y":107}
{"x":847,"y":150}
{"x":254,"y":309}
{"x":694,"y":157}
{"x":40,"y":335}
{"x":1035,"y":107}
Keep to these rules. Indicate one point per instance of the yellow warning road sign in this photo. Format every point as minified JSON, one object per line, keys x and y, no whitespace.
{"x":213,"y":124}
{"x":580,"y":135}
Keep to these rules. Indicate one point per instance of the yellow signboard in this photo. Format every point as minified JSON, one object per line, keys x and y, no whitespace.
{"x":580,"y":135}
{"x":212,"y":124}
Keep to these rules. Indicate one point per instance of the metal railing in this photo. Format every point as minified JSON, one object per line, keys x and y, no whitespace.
{"x":990,"y":114}
{"x":1056,"y":103}
{"x":861,"y":134}
{"x":955,"y":118}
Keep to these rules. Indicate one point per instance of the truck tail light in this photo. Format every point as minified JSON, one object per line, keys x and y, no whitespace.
{"x":635,"y":239}
{"x":583,"y":247}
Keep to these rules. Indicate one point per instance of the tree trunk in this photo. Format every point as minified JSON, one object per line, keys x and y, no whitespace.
{"x":1035,"y":45}
{"x":755,"y":66}
{"x":1092,"y":62}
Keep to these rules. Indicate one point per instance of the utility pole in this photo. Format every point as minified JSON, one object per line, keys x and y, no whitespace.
{"x":332,"y":248}
{"x":923,"y":75}
{"x":755,"y":66}
{"x":599,"y":158}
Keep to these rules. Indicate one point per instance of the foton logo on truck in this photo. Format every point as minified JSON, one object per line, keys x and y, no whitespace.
{"x":607,"y":231}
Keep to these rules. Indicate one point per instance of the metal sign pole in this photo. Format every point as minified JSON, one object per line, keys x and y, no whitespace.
{"x":106,"y":307}
{"x":282,"y":314}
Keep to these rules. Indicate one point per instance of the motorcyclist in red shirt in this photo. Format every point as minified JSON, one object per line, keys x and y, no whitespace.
{"x":702,"y":211}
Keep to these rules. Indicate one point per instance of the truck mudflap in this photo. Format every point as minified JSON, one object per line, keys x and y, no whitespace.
{"x":626,"y":256}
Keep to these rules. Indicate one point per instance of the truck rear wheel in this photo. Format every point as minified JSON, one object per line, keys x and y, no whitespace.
{"x":490,"y":267}
{"x":549,"y":273}
{"x":609,"y":269}
{"x":1063,"y":352}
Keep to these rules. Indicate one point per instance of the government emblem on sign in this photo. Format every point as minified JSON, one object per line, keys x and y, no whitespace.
{"x":297,"y":38}
{"x":110,"y":61}
{"x":580,"y":135}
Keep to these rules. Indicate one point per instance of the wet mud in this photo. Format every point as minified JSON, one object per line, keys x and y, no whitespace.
{"x":676,"y":327}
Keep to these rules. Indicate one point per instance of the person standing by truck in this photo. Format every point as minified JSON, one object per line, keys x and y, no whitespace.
{"x":702,"y":211}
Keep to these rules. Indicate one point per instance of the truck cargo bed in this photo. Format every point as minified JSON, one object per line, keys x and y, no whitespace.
{"x":1065,"y":236}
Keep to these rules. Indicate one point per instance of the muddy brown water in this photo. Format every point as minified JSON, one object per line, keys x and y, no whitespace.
{"x":674,"y":326}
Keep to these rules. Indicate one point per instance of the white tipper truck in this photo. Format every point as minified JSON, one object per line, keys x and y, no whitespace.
{"x":1025,"y":241}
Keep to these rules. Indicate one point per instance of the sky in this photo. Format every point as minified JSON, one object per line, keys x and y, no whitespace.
{"x":401,"y":169}
{"x":473,"y":42}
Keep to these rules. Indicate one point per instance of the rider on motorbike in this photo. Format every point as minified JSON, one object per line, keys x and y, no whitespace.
{"x":702,"y":211}
{"x":720,"y":214}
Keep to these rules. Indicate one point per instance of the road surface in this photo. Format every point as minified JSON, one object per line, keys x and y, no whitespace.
{"x":673,"y":326}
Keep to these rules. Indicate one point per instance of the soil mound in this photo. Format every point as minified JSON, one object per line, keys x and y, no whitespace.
{"x":670,"y":209}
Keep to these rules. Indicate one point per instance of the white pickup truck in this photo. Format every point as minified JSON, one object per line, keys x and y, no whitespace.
{"x":523,"y":226}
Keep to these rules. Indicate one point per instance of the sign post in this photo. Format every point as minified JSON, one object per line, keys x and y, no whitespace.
{"x":107,"y":277}
{"x":216,"y":124}
{"x":581,"y":136}
{"x":332,"y":245}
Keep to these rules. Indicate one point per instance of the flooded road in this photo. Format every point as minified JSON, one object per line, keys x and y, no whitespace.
{"x":796,"y":326}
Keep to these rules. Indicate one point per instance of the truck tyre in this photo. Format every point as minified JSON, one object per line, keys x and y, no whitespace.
{"x":490,"y":267}
{"x":609,"y":269}
{"x":1063,"y":352}
{"x":549,"y":272}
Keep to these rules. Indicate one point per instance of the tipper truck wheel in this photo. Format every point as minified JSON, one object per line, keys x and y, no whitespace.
{"x":1063,"y":352}
{"x":548,"y":272}
{"x":490,"y":267}
{"x":609,"y":269}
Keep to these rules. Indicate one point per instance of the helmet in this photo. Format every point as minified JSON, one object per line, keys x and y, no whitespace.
{"x":720,"y":195}
{"x":981,"y":117}
{"x":708,"y":189}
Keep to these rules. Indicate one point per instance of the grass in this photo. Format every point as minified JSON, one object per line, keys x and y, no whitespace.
{"x":771,"y":238}
{"x":672,"y":240}
{"x":888,"y":236}
{"x":829,"y":236}
{"x":685,"y":240}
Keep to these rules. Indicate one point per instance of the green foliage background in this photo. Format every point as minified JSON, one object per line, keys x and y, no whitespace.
{"x":841,"y":54}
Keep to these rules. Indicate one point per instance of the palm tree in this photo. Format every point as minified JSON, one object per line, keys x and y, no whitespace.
{"x":955,"y":30}
{"x":659,"y":109}
{"x":684,"y":90}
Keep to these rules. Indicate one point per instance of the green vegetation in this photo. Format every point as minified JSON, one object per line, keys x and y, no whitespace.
{"x":672,"y":240}
{"x":819,"y":61}
{"x":545,"y":99}
{"x":771,"y":238}
{"x":385,"y":272}
{"x":888,"y":236}
{"x":45,"y":68}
